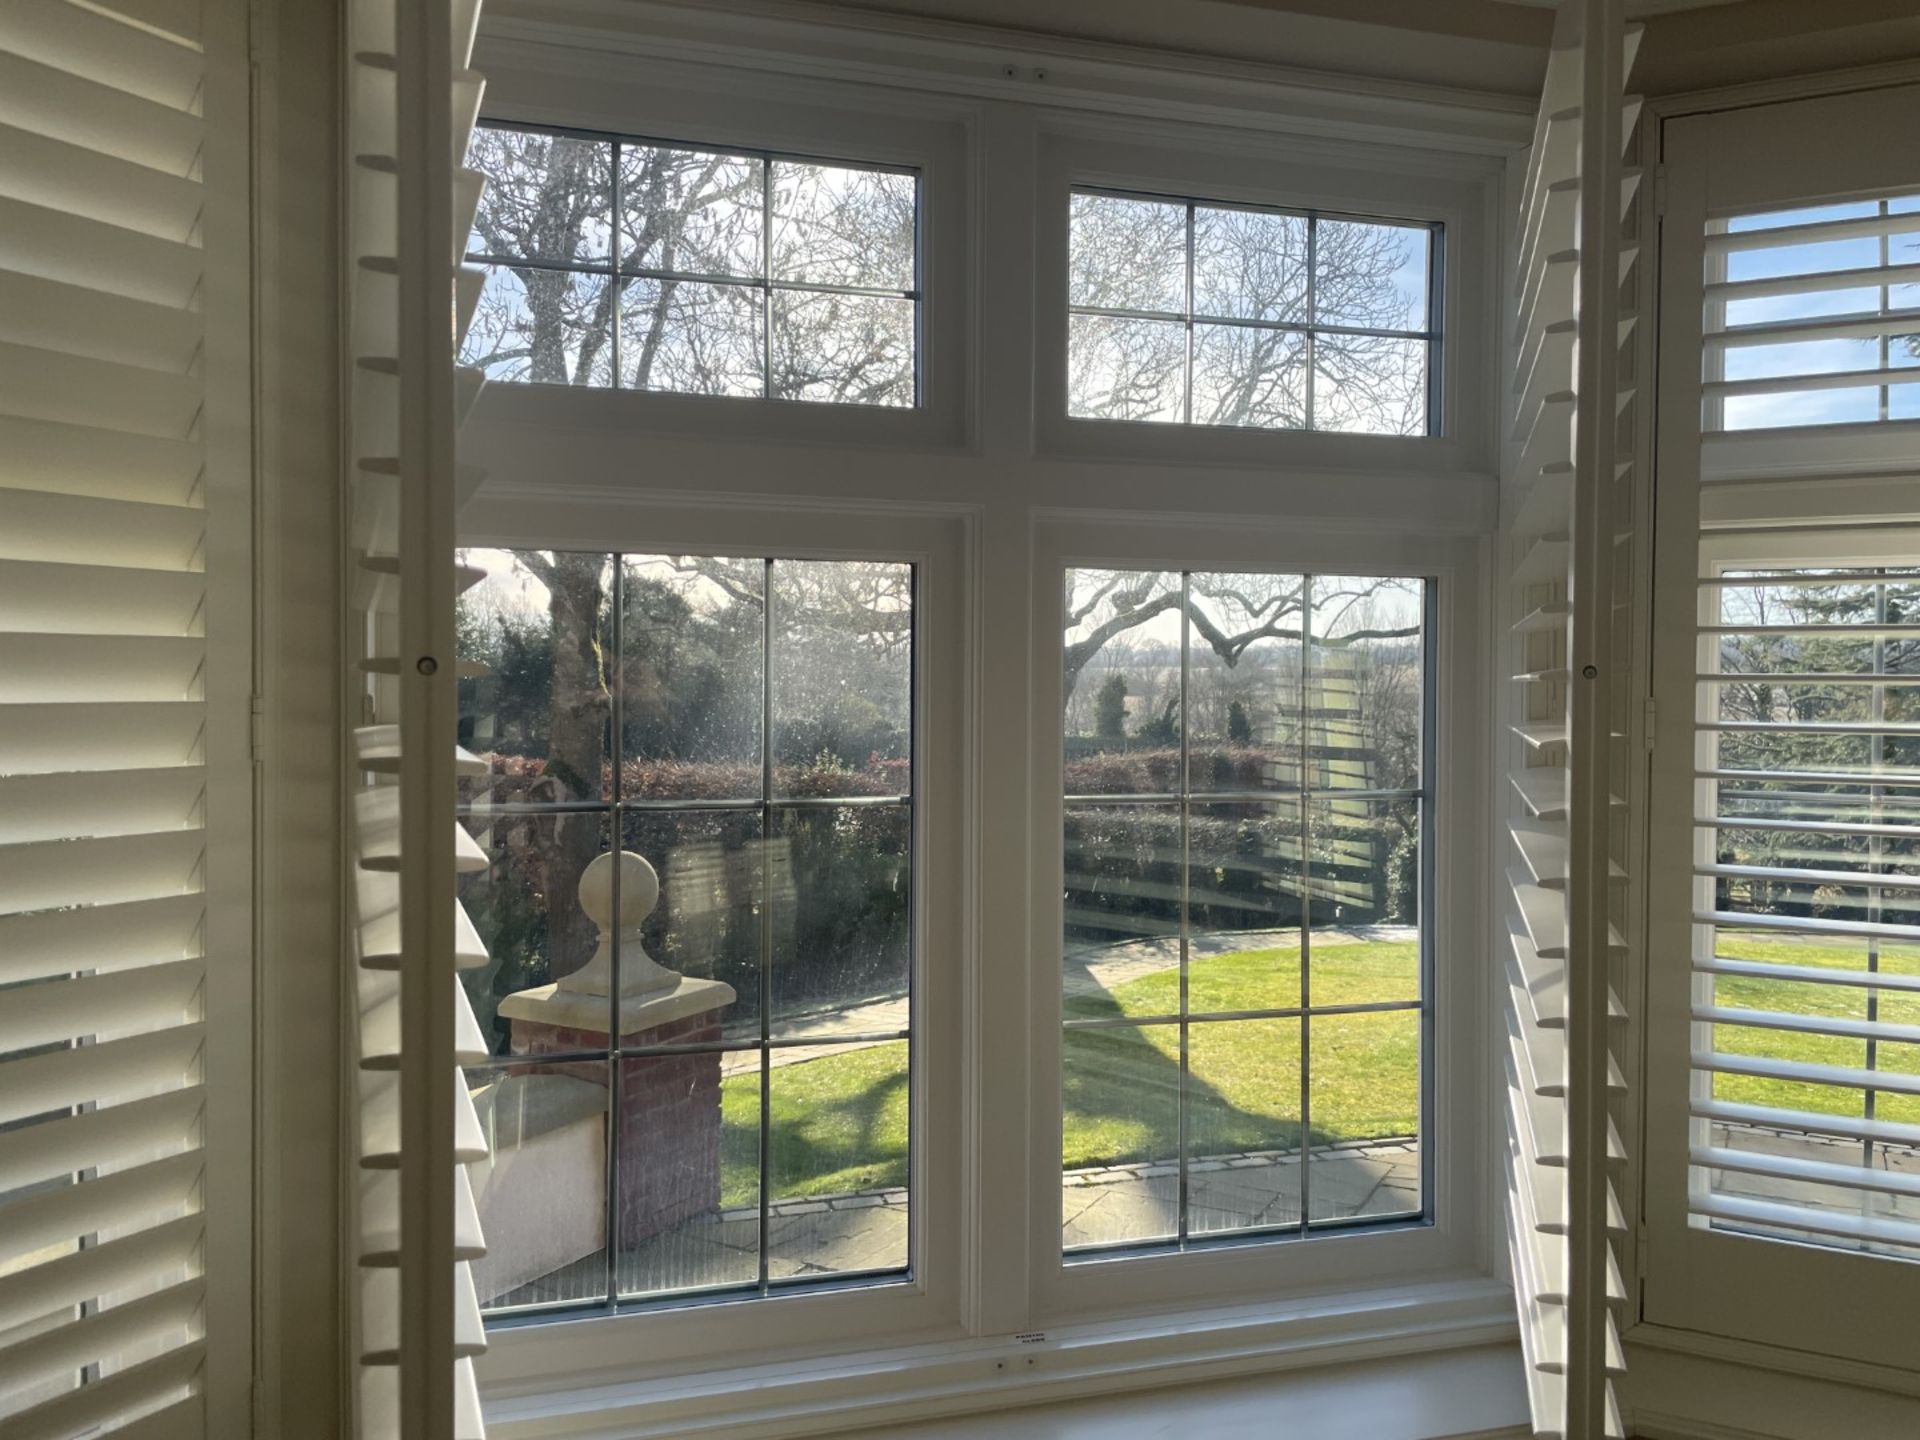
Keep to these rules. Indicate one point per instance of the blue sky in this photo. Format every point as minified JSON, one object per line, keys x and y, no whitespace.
{"x":1811,"y":357}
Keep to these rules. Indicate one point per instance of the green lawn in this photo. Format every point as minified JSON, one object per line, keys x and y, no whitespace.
{"x":1847,"y":1001}
{"x":840,"y":1123}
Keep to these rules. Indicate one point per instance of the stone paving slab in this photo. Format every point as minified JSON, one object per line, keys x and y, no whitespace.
{"x":867,"y":1230}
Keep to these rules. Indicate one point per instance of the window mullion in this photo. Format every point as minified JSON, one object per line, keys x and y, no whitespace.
{"x":1183,"y":1124}
{"x":766,"y":915}
{"x":1306,"y":893}
{"x":616,"y":1061}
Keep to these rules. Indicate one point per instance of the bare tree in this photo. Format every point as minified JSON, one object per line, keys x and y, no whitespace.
{"x":1254,"y":268}
{"x":555,"y":311}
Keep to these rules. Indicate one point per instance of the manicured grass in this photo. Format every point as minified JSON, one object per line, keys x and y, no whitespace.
{"x":1845,"y":1001}
{"x":840,"y":1123}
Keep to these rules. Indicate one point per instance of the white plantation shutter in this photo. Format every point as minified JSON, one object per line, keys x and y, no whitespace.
{"x":1806,"y":905}
{"x":416,"y":1320}
{"x":1568,"y":490}
{"x":117,"y":978}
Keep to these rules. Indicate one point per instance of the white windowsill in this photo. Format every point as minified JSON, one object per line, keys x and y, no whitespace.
{"x":875,"y":1387}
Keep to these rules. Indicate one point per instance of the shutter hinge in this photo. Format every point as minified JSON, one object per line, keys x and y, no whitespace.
{"x":1646,"y":722}
{"x":256,"y":727}
{"x":1659,"y":191}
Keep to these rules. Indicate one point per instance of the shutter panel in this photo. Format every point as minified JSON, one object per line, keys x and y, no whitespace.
{"x":416,"y":1323}
{"x":104,"y":716}
{"x":1568,"y":489}
{"x":1806,"y":902}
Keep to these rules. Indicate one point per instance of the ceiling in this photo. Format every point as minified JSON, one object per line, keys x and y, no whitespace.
{"x":1495,"y":46}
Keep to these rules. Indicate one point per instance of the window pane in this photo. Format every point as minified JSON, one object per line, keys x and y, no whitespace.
{"x":1371,"y":277}
{"x":1366,"y":676}
{"x":551,"y":327}
{"x":1120,"y":1138}
{"x":1244,"y":905}
{"x":1121,"y":682}
{"x":1244,"y":681}
{"x":1121,"y":947}
{"x":837,"y":1161}
{"x":541,"y":625}
{"x":692,"y":212}
{"x":1127,"y":254}
{"x":1248,"y":376}
{"x":838,"y":225}
{"x":1366,"y":912}
{"x":842,"y":920}
{"x":525,"y":907}
{"x":689,"y":1172}
{"x":842,"y":678}
{"x":691,"y":338}
{"x":1366,"y":385}
{"x":1250,"y":265}
{"x":542,"y":1193}
{"x":706,"y":924}
{"x":690,"y":678}
{"x":548,"y":197}
{"x":1243,"y":1125}
{"x":1365,"y":1115}
{"x":1126,"y":369}
{"x":843,"y":349}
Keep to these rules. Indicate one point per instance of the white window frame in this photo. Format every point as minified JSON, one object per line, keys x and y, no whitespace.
{"x":1453,"y":1151}
{"x":669,"y":1336}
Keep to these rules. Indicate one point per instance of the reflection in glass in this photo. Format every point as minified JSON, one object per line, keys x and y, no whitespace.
{"x":839,"y":879}
{"x":1220,"y":914}
{"x":713,"y":884}
{"x":766,"y":875}
{"x":542,"y":1192}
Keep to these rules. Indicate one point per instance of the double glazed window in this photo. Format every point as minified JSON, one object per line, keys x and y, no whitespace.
{"x":744,"y":727}
{"x":1206,"y":314}
{"x":645,"y":266}
{"x":1245,"y":953}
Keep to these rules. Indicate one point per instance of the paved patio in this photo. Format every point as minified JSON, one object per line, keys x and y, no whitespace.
{"x":866,"y":1231}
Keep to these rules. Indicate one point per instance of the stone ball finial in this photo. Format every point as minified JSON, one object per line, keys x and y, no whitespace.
{"x":639,"y":890}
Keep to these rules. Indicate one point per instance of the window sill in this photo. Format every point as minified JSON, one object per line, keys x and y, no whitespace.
{"x":814,"y":1395}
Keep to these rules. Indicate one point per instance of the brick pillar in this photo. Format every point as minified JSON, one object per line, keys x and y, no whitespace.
{"x":669,"y":1104}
